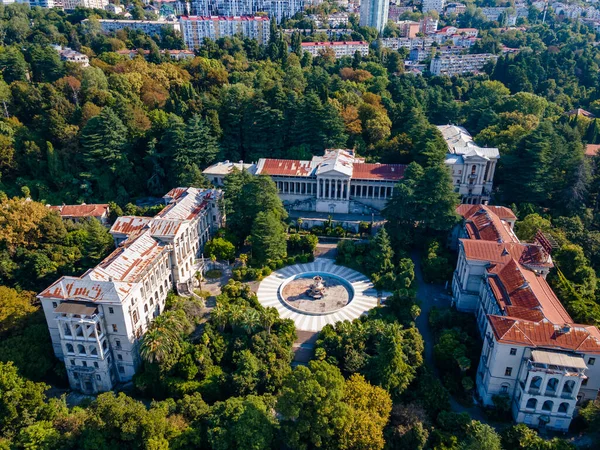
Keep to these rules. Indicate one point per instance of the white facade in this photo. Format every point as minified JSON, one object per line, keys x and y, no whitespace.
{"x":460,"y":64}
{"x":473,"y":167}
{"x":533,"y":354}
{"x":273,"y":8}
{"x":96,"y":320}
{"x":336,"y":183}
{"x":196,"y":28}
{"x":433,"y":5}
{"x":46,"y":3}
{"x":98,"y":4}
{"x":340,"y":49}
{"x":374,"y":13}
{"x":151,"y":27}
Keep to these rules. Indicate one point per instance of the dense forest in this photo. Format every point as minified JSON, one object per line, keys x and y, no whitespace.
{"x":122,"y":130}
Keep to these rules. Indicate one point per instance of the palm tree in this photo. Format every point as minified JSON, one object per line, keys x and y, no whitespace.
{"x":156,"y":345}
{"x":249,"y":320}
{"x":268,"y":317}
{"x":235,"y":315}
{"x":219,"y":317}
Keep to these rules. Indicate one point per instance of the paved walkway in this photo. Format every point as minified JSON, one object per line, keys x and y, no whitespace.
{"x":365,"y":295}
{"x":432,"y":295}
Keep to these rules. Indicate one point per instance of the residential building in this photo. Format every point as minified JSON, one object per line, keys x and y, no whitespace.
{"x":592,"y":150}
{"x":333,"y":20}
{"x":196,"y":28}
{"x":83,"y":211}
{"x":46,"y":3}
{"x":460,"y":64}
{"x":433,"y":5}
{"x":428,"y":25}
{"x":96,"y":320}
{"x":70,"y":55}
{"x":374,"y":13}
{"x":150,"y":27}
{"x":395,"y":11}
{"x":112,"y":8}
{"x":455,"y":8}
{"x":72,"y":4}
{"x":340,"y":49}
{"x":466,"y":32}
{"x":472,"y":167}
{"x":277,"y":9}
{"x":533,"y":354}
{"x":408,"y":28}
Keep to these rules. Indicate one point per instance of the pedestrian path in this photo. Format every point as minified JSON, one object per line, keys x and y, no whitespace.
{"x":364,"y":299}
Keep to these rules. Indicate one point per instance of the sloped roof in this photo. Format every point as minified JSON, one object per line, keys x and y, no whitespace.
{"x":460,"y":142}
{"x":482,"y":222}
{"x":83,"y":210}
{"x":545,"y":334}
{"x":129,"y":224}
{"x":369,"y":171}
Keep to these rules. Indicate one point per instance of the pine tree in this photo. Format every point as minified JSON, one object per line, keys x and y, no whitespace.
{"x":380,"y":259}
{"x":268,"y":238}
{"x":103,"y":140}
{"x":201,"y":146}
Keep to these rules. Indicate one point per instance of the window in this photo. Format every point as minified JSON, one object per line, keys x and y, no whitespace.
{"x":98,"y":377}
{"x":552,"y":385}
{"x":119,"y":357}
{"x":96,"y":365}
{"x":508,"y":371}
{"x":121,"y":369}
{"x":75,"y":375}
{"x":114,"y":327}
{"x":84,"y":363}
{"x":531,"y":403}
{"x":584,"y":382}
{"x":118,"y":343}
{"x":81,"y":349}
{"x":563,"y":408}
{"x":111,"y":310}
{"x":568,"y":387}
{"x":548,"y":405}
{"x":54,"y":304}
{"x":73,"y":362}
{"x":70,"y":348}
{"x":513,"y":351}
{"x":504,"y":389}
{"x":536,"y":383}
{"x":591,"y":361}
{"x":135,"y":316}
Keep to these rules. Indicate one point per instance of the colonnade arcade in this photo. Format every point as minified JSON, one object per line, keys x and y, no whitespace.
{"x":335,"y":188}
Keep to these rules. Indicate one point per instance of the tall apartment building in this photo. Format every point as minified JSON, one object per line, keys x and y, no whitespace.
{"x":96,"y":320}
{"x":273,"y":8}
{"x":533,"y":354}
{"x":196,"y":28}
{"x":46,"y":3}
{"x":151,"y":27}
{"x":473,"y":167}
{"x":434,"y":5}
{"x":460,"y":64}
{"x":374,"y":13}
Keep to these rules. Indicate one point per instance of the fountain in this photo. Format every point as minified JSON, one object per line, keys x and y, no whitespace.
{"x":316,"y":290}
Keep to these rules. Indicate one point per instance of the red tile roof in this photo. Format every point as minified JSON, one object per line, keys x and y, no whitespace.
{"x":83,"y":210}
{"x":545,"y":334}
{"x":488,"y":222}
{"x":287,"y":167}
{"x":332,"y":44}
{"x":368,"y":171}
{"x":592,"y":149}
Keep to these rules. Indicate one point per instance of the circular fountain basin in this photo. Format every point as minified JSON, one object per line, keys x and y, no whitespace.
{"x":294,"y":292}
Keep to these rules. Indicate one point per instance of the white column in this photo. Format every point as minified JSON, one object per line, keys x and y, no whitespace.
{"x":348,"y":190}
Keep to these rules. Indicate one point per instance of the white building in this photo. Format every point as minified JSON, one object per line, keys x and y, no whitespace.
{"x":473,"y":167}
{"x":96,"y":320}
{"x":341,"y":48}
{"x":460,"y":64}
{"x":99,"y":211}
{"x":150,"y":27}
{"x":374,"y":13}
{"x":70,"y":55}
{"x":112,"y":8}
{"x":46,"y":3}
{"x":72,"y":4}
{"x":533,"y":353}
{"x":273,"y":8}
{"x":196,"y":28}
{"x":333,"y":20}
{"x":433,"y":5}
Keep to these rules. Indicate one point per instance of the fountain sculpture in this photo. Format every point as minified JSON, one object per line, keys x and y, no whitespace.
{"x":316,"y":289}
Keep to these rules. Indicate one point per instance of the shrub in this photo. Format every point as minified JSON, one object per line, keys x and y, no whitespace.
{"x":266,"y":271}
{"x":220,"y":248}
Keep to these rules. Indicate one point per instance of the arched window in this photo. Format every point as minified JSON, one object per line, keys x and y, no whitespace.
{"x":145,"y":308}
{"x":531,"y":403}
{"x":67,"y":330}
{"x":563,"y":408}
{"x":473,"y":169}
{"x":93,"y":350}
{"x":80,"y":349}
{"x":70,"y":348}
{"x":536,"y":383}
{"x":151,"y":301}
{"x":569,"y":386}
{"x":548,"y":405}
{"x":552,"y":385}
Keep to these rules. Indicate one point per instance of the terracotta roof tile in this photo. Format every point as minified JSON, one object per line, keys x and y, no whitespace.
{"x":83,"y":210}
{"x":368,"y":171}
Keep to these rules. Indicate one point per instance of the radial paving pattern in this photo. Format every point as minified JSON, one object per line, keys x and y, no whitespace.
{"x":365,"y":295}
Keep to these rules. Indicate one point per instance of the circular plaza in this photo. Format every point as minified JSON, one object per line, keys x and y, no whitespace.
{"x":318,"y":293}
